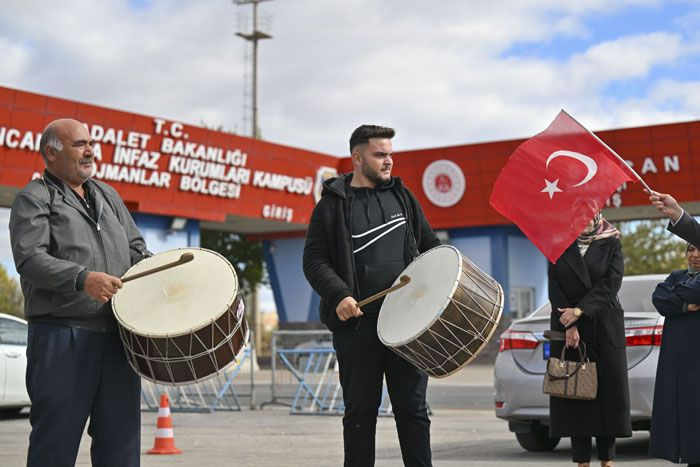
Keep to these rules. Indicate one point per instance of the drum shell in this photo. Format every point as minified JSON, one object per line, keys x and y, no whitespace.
{"x":189,"y":357}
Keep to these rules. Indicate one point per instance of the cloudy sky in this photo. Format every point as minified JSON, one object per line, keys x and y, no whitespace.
{"x":442,"y":73}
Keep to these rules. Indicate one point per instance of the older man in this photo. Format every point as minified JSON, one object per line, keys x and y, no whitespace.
{"x":72,"y":238}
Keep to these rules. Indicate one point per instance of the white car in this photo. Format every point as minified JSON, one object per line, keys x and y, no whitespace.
{"x":13,"y":364}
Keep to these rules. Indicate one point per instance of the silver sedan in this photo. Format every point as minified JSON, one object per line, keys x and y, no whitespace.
{"x":523,"y":353}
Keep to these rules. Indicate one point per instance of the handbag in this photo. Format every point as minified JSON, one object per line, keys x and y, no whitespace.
{"x":571,"y":380}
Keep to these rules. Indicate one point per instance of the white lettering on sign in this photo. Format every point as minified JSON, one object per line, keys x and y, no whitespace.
{"x":97,"y":151}
{"x":15,"y":139}
{"x":187,"y":166}
{"x":137,"y":157}
{"x":672,"y":164}
{"x":132,"y":139}
{"x":176,"y":129}
{"x":190,"y":149}
{"x":202,"y":168}
{"x":204,"y":152}
{"x":210,"y":187}
{"x":302,"y":186}
{"x":648,"y":166}
{"x":134,"y":175}
{"x":235,"y":158}
{"x":273,"y":211}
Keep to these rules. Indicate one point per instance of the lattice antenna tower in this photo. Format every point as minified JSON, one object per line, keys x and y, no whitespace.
{"x":250,"y":78}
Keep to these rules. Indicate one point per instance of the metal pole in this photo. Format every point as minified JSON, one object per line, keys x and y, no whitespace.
{"x":273,"y":368}
{"x":254,"y":131}
{"x":253,"y":358}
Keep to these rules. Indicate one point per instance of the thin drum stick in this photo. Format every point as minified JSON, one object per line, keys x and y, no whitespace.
{"x":403,"y":280}
{"x":184,"y":258}
{"x":613,"y":152}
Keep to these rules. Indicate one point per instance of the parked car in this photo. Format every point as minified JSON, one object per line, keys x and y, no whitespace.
{"x":13,"y":363}
{"x":523,"y":353}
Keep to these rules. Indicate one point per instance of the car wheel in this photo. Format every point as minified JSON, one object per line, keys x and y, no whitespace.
{"x":537,"y":439}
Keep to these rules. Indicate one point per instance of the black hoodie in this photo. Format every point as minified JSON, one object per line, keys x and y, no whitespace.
{"x":378,"y":227}
{"x":329,"y":263}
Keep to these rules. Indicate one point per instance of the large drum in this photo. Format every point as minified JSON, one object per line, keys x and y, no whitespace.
{"x":183,"y":324}
{"x":444,"y":316}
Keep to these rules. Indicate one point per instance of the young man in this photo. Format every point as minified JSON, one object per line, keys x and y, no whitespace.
{"x":365,"y":230}
{"x":72,"y":238}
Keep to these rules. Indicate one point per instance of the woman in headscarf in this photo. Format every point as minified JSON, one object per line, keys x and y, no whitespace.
{"x":583,"y":287}
{"x":675,"y":432}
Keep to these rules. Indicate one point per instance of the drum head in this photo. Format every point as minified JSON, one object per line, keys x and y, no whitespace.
{"x":178,"y":300}
{"x":409,"y":311}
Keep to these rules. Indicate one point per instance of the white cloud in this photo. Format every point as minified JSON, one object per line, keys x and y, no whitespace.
{"x":442,"y":74}
{"x":15,"y":59}
{"x":625,"y":58}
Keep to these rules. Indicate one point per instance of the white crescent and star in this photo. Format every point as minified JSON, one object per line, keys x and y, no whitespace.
{"x":552,"y":187}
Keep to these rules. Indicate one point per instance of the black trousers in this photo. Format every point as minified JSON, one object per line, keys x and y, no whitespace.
{"x":364,"y":362}
{"x":581,"y":448}
{"x":73,"y":374}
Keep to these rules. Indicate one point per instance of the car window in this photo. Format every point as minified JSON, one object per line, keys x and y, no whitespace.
{"x":13,"y":332}
{"x":635,"y":295}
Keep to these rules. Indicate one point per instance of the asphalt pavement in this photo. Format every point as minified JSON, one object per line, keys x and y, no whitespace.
{"x":464,"y":432}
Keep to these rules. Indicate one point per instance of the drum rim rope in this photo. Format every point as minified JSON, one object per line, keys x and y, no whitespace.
{"x":189,"y":361}
{"x":183,"y":356}
{"x":473,"y":355}
{"x":180,"y":333}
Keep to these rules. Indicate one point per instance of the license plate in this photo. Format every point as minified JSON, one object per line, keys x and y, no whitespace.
{"x":546,"y":350}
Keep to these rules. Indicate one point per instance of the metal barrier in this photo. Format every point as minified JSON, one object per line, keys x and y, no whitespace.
{"x":283,"y":381}
{"x":317,"y":391}
{"x":215,"y":393}
{"x":304,"y":374}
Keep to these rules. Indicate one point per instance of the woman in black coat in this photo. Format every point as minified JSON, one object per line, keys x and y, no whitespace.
{"x":675,"y":433}
{"x":583,"y":286}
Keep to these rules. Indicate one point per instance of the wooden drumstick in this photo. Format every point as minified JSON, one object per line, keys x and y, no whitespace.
{"x":184,"y":258}
{"x":403,"y":280}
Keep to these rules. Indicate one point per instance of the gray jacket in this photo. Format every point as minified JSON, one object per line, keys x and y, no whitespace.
{"x":55,"y":241}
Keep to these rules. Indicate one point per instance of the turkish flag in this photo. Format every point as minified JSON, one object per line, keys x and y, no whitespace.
{"x":555,"y":182}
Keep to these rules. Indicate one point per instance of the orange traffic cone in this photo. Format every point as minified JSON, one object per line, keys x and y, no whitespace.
{"x":165,"y":441}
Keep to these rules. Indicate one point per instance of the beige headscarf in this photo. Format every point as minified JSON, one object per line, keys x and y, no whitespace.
{"x":601,"y":229}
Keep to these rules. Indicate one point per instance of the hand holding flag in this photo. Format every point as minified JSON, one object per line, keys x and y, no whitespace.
{"x":555,"y":182}
{"x":666,"y":205}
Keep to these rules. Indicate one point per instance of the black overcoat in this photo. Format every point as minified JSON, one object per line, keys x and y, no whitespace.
{"x":675,"y":432}
{"x":591,"y":282}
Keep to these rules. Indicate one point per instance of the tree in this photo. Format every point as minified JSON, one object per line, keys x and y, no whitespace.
{"x":11,"y":299}
{"x":246,"y":257}
{"x":649,"y":248}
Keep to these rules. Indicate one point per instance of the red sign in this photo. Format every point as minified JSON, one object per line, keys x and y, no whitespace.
{"x":167,"y":167}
